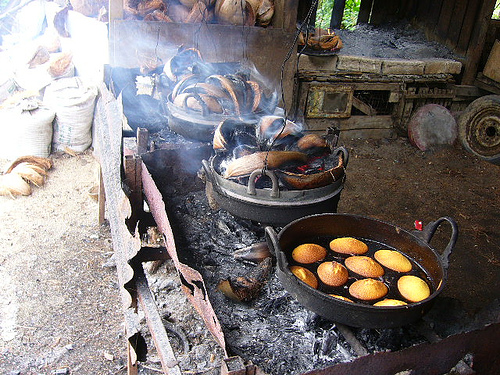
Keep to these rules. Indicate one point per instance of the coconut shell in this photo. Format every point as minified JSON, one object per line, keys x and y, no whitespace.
{"x":13,"y":185}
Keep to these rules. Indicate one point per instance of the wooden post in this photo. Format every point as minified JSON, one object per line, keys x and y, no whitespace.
{"x":337,"y":14}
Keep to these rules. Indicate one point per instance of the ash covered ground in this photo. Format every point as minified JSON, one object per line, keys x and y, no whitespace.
{"x":397,"y":40}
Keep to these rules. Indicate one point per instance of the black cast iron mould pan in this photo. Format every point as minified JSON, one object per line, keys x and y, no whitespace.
{"x":273,"y":206}
{"x":414,"y":245}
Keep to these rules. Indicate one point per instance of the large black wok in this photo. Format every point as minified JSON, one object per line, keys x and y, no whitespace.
{"x":377,"y":234}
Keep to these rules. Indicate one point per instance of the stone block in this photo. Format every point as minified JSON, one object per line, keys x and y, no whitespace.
{"x":321,"y":63}
{"x":442,"y":66}
{"x":370,"y":65}
{"x":348,"y":63}
{"x":400,"y":66}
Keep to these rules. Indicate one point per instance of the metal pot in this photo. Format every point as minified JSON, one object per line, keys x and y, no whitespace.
{"x":272,"y":206}
{"x":191,"y":124}
{"x":377,"y":234}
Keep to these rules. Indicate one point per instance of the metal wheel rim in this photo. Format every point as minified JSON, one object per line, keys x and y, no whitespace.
{"x":483,"y":134}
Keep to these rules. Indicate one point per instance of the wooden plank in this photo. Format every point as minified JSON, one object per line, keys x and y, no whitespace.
{"x":456,"y":22}
{"x":492,"y":67}
{"x":337,"y":14}
{"x":476,"y":44}
{"x":353,"y":123}
{"x":363,"y":107}
{"x":434,"y":10}
{"x":445,"y":18}
{"x":384,"y":11}
{"x":285,"y":15}
{"x":365,"y":8}
{"x":422,"y":11}
{"x":468,"y":25}
{"x":408,"y":8}
{"x":487,"y":84}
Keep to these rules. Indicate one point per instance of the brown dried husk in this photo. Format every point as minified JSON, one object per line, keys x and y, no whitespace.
{"x":235,"y":12}
{"x":13,"y":185}
{"x":199,"y":13}
{"x":145,"y":7}
{"x":61,"y":65}
{"x":44,"y":163}
{"x":273,"y":159}
{"x":302,"y":181}
{"x":31,"y":173}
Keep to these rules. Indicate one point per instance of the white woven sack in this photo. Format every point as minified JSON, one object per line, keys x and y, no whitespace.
{"x":26,"y":129}
{"x":73,"y":103}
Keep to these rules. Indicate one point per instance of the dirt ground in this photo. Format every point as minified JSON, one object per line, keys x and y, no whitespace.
{"x":59,"y":303}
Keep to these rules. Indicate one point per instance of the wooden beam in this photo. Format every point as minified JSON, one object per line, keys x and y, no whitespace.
{"x":363,"y":107}
{"x":365,"y":10}
{"x":337,"y":14}
{"x":456,"y":22}
{"x":476,"y":44}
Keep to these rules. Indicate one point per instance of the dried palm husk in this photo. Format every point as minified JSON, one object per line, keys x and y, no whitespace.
{"x":311,"y":140}
{"x":148,"y":6}
{"x":61,"y":65}
{"x":227,"y":86}
{"x":13,"y":185}
{"x":247,"y":287}
{"x":235,"y":12}
{"x":40,"y":56}
{"x":302,"y":181}
{"x":264,"y":11}
{"x":199,"y":13}
{"x":271,"y":159}
{"x":31,"y":173}
{"x":158,"y":15}
{"x":256,"y":94}
{"x":44,"y":163}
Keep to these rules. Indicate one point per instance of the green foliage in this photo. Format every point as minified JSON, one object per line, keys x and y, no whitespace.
{"x":324,"y":14}
{"x":496,"y":11}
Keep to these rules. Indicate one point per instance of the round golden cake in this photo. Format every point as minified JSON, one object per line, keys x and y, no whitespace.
{"x":305,"y":275}
{"x":348,"y":245}
{"x":368,"y":289}
{"x":413,"y":288}
{"x":364,"y":266}
{"x":341,"y":297}
{"x":308,"y":253}
{"x":393,"y":260}
{"x":390,"y":302}
{"x":332,"y":273}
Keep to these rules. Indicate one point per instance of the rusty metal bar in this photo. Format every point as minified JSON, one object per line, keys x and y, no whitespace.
{"x":157,"y":329}
{"x":429,"y":359}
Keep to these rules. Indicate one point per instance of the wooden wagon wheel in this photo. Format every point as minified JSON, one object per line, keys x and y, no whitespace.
{"x":479,"y":128}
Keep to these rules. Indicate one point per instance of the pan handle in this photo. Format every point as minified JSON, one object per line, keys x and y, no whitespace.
{"x":274,"y":247}
{"x":345,"y":155}
{"x":429,"y":230}
{"x":208,"y":172}
{"x":275,"y":192}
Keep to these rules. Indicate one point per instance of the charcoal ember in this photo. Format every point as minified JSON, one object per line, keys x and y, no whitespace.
{"x":392,"y":339}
